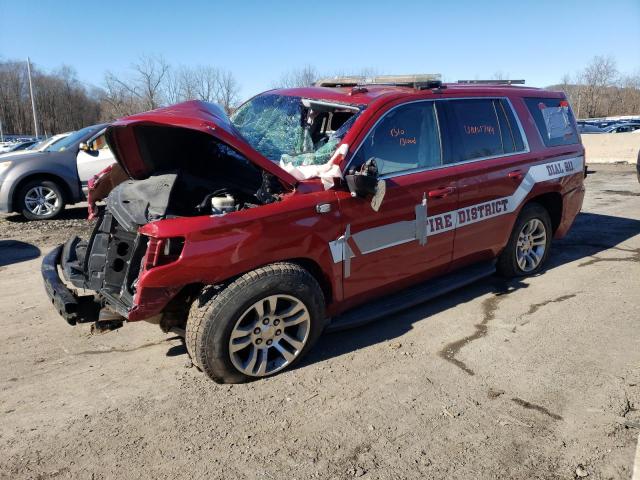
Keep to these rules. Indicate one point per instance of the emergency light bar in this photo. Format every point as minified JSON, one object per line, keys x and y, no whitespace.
{"x":415,"y":81}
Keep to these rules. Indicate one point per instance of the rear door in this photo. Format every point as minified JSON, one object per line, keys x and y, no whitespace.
{"x":493,"y":156}
{"x":393,"y":247}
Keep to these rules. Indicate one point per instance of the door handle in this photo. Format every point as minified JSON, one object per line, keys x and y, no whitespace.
{"x":441,"y":192}
{"x":515,"y":175}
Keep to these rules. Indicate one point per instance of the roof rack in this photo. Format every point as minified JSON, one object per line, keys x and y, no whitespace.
{"x":492,"y":82}
{"x":425,"y":80}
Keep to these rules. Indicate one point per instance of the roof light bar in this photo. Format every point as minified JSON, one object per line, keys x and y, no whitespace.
{"x":414,"y":81}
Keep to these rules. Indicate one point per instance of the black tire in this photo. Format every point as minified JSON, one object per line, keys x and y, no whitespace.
{"x":507,"y":265}
{"x":214,"y":314}
{"x":26,"y":204}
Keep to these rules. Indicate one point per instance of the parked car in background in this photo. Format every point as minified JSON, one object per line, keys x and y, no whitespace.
{"x":39,"y":146}
{"x":40,"y":184}
{"x":622,"y":127}
{"x":313,"y":208}
{"x":586,"y":128}
{"x":18,"y":146}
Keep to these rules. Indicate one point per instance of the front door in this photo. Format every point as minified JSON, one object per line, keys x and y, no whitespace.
{"x":411,"y":236}
{"x":93,"y":161}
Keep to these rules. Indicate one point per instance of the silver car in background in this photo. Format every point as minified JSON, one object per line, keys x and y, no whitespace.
{"x":39,"y":185}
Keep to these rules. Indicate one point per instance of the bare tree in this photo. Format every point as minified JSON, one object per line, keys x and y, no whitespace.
{"x":228,"y":94}
{"x":62,"y":101}
{"x":599,"y":75}
{"x":143,"y":89}
{"x":299,"y":77}
{"x":152,"y":83}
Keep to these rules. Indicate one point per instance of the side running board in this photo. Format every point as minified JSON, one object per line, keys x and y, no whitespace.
{"x":410,"y":297}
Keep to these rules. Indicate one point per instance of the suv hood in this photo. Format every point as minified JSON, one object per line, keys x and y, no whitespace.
{"x":122,"y":136}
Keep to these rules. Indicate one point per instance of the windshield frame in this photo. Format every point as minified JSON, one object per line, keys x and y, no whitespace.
{"x":302,"y":106}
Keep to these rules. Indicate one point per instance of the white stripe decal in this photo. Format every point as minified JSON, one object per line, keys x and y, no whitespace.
{"x":396,"y":233}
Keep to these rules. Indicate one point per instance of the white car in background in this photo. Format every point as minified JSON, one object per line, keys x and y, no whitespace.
{"x":40,"y":146}
{"x":94,"y":155}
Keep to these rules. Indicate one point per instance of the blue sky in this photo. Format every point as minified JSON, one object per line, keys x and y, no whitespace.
{"x":536,"y":40}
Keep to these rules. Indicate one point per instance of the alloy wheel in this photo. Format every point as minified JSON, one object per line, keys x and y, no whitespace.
{"x":269,"y":335}
{"x":41,"y":201}
{"x":531,"y":246}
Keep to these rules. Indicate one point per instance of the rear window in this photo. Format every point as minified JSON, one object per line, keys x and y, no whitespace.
{"x":554,"y":120}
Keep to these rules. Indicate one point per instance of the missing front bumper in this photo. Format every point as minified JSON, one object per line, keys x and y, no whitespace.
{"x":72,"y":307}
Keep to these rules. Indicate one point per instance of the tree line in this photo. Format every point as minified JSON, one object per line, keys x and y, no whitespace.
{"x":601,"y":90}
{"x":62,"y":102}
{"x":65,"y":103}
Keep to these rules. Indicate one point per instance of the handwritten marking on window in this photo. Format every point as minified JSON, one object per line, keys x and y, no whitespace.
{"x":404,"y":141}
{"x":479,"y":129}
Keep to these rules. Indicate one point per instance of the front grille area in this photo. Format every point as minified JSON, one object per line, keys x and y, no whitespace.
{"x":112,"y":261}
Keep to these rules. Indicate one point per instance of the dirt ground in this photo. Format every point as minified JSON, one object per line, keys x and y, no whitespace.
{"x":538,"y":378}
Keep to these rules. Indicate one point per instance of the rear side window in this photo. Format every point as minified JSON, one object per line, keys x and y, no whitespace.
{"x":481,"y":128}
{"x":554,"y":120}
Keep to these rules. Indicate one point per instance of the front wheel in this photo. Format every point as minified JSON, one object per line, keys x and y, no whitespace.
{"x":529,"y":243}
{"x":41,"y":200}
{"x":258,"y":325}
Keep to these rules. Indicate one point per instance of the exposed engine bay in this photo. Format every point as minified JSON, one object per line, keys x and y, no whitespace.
{"x":194,"y":175}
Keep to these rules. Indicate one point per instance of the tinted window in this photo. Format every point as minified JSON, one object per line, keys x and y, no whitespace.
{"x":474,"y":123}
{"x":406,"y":138}
{"x":515,"y":129}
{"x":554,"y":120}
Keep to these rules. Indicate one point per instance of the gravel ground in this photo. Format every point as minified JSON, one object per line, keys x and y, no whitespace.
{"x":537,"y":378}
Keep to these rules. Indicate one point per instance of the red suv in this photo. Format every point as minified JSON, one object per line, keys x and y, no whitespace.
{"x":319,"y":208}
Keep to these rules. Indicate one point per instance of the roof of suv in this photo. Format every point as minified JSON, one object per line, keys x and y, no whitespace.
{"x":368,"y":93}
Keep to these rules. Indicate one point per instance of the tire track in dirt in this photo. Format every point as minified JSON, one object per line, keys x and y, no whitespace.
{"x":489,"y":308}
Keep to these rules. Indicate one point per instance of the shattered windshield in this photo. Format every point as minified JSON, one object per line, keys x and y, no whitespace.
{"x":282,"y":128}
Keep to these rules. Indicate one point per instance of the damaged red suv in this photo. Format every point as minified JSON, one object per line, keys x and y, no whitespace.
{"x":318,"y":208}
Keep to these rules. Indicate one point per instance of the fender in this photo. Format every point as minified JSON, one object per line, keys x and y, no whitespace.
{"x":215,"y":246}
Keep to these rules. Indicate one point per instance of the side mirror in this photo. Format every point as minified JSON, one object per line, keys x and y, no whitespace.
{"x":365,"y":183}
{"x":362,"y":183}
{"x":84,"y":147}
{"x":362,"y":186}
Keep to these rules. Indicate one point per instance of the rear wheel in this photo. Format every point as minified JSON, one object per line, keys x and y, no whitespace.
{"x":529,"y":243}
{"x":41,"y":200}
{"x":257,"y":326}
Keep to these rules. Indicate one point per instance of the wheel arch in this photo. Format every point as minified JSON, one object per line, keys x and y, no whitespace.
{"x":175,"y":311}
{"x":552,"y":203}
{"x":318,"y":273}
{"x":66,"y":190}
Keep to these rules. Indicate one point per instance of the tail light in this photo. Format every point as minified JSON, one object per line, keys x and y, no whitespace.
{"x":162,"y":251}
